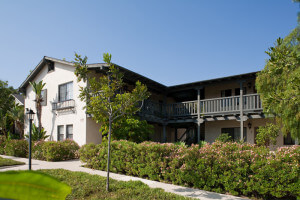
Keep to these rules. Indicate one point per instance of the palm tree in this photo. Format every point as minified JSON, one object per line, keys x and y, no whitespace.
{"x":17,"y":115}
{"x":37,"y":88}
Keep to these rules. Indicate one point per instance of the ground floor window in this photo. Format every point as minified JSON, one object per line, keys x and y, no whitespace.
{"x":69,"y":130}
{"x":60,"y":133}
{"x":288,"y":140}
{"x":235,"y":133}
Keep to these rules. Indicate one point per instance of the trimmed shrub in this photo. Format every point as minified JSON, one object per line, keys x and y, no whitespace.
{"x":18,"y":148}
{"x":236,"y":168}
{"x":2,"y":144}
{"x":55,"y":150}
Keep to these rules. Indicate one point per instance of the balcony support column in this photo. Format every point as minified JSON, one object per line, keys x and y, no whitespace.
{"x":241,"y":102}
{"x":198,"y":113}
{"x":176,"y":135}
{"x":164,"y":133}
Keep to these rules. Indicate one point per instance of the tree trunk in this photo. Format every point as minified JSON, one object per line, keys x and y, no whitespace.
{"x":108,"y":155}
{"x":39,"y":114}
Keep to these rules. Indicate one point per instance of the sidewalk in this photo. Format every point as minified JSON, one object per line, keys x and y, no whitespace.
{"x":75,"y":165}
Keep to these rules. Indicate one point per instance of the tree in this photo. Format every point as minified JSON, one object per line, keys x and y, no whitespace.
{"x":278,"y":84}
{"x":37,"y":88}
{"x":105,"y":98}
{"x":17,"y":116}
{"x":6,"y":104}
{"x":129,"y":128}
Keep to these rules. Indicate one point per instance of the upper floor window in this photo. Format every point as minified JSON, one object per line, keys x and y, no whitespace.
{"x":65,"y":91}
{"x":237,"y":91}
{"x":50,"y":66}
{"x":44,"y":97}
{"x":226,"y":93}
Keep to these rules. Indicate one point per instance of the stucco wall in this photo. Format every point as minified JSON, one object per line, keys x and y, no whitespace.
{"x":92,"y":132}
{"x":51,"y":119}
{"x":214,"y":91}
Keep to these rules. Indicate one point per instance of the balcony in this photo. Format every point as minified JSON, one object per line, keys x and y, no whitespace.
{"x":208,"y":107}
{"x":63,"y":105}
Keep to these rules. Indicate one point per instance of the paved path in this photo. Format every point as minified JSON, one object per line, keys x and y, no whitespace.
{"x":75,"y":165}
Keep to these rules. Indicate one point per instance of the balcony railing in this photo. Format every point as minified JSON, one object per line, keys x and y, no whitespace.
{"x":224,"y":105}
{"x":63,"y":105}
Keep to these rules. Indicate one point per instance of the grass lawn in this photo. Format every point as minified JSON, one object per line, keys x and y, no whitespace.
{"x":9,"y":162}
{"x":86,"y":186}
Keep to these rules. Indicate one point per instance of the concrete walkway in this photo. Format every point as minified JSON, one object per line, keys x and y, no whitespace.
{"x":75,"y":165}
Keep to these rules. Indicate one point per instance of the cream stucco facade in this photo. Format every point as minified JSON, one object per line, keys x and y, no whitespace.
{"x":84,"y":129}
{"x":178,"y":118}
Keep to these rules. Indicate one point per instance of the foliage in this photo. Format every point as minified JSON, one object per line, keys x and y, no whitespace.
{"x":236,"y":168}
{"x":105,"y":96}
{"x":6,"y":103}
{"x":129,"y":128}
{"x":224,"y":137}
{"x":55,"y":151}
{"x":2,"y":144}
{"x":17,"y":115}
{"x":37,"y":88}
{"x":31,"y":185}
{"x":41,"y":150}
{"x":278,"y":83}
{"x":18,"y":148}
{"x":37,"y":134}
{"x":9,"y":162}
{"x":267,"y":134}
{"x":87,"y":186}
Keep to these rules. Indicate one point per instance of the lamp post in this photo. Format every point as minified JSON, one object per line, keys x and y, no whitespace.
{"x":30,"y":114}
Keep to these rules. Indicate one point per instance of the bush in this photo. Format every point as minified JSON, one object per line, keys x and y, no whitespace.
{"x":2,"y":144}
{"x":55,"y":151}
{"x":41,"y":150}
{"x":18,"y":148}
{"x":224,"y":137}
{"x":236,"y":168}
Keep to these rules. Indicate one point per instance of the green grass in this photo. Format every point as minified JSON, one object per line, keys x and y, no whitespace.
{"x":9,"y":162}
{"x":86,"y":186}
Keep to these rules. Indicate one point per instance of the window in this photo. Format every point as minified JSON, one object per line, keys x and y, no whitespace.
{"x":60,"y":133}
{"x":65,"y":91}
{"x":237,"y":91}
{"x":44,"y":97}
{"x":226,"y":93}
{"x":288,"y":140}
{"x":70,"y":132}
{"x":50,"y":66}
{"x":235,"y":133}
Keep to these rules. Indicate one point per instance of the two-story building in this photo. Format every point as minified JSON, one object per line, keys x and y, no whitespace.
{"x":187,"y":112}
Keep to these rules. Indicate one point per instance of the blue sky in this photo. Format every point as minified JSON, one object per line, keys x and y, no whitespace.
{"x":169,"y":41}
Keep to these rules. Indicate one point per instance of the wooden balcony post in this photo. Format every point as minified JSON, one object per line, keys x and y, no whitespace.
{"x":241,"y":110}
{"x":198,"y":113}
{"x":164,"y":133}
{"x":176,"y":135}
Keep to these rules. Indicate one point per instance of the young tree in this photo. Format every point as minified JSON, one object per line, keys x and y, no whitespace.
{"x":105,"y":99}
{"x":278,"y":84}
{"x":37,"y":88}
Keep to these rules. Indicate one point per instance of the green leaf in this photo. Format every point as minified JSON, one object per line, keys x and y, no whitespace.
{"x":31,"y":185}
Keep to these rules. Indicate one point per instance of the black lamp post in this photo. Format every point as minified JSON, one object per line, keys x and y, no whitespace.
{"x":30,"y":114}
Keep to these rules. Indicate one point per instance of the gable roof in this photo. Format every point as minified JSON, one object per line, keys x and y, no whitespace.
{"x":132,"y":77}
{"x":19,"y":98}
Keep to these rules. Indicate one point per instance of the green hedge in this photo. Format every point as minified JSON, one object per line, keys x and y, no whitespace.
{"x":41,"y":150}
{"x":55,"y":151}
{"x":2,"y":144}
{"x":18,"y":148}
{"x":239,"y":169}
